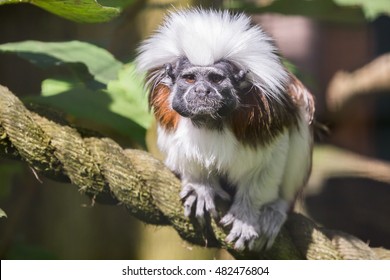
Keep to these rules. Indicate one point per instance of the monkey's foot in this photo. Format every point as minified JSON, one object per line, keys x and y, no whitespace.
{"x":255,"y":230}
{"x":272,"y":217}
{"x":245,"y":230}
{"x":202,"y":198}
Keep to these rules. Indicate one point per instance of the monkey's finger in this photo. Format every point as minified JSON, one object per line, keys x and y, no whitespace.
{"x":222,"y":194}
{"x":268,"y":236}
{"x":188,"y":205}
{"x":199,"y":212}
{"x":186,"y":191}
{"x":200,"y":205}
{"x":231,"y":237}
{"x":234,"y":233}
{"x":257,"y":244}
{"x":227,"y":219}
{"x":210,"y":207}
{"x":213,"y":212}
{"x":240,"y":244}
{"x":270,"y":241}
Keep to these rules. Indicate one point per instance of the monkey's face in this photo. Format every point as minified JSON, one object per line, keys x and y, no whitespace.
{"x":205,"y":94}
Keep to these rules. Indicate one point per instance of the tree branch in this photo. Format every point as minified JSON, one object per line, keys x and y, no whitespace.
{"x":373,"y":77}
{"x":109,"y":174}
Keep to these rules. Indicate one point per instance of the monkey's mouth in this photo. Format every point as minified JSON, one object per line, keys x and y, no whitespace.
{"x":204,"y":110}
{"x":204,"y":107}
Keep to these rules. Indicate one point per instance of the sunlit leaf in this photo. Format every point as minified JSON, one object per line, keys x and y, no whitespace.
{"x":116,"y":3}
{"x":88,"y":11}
{"x":100,"y":63}
{"x":118,"y":102}
{"x":93,"y":106}
{"x":128,"y":97}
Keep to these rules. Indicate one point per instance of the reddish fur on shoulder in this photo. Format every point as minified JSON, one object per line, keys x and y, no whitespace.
{"x":301,"y":97}
{"x":259,"y":119}
{"x":159,"y":101}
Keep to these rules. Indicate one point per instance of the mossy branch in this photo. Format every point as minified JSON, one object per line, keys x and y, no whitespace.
{"x":109,"y":174}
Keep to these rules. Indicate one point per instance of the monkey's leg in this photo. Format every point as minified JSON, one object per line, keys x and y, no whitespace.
{"x":258,"y":211}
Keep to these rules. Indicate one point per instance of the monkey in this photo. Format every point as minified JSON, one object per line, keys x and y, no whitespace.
{"x":229,"y":111}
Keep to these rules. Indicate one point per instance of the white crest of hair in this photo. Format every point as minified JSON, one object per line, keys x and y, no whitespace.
{"x":207,"y":36}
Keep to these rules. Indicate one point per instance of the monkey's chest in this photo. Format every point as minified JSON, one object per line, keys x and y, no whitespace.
{"x":194,"y":150}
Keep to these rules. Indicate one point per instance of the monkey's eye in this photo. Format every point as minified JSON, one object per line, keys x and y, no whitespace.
{"x":216,"y":78}
{"x":189,"y":78}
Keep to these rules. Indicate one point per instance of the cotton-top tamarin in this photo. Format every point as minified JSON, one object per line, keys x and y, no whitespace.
{"x":229,"y":111}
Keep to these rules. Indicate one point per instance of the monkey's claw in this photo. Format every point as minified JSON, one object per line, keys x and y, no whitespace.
{"x":200,"y":197}
{"x":241,"y":232}
{"x":255,"y":230}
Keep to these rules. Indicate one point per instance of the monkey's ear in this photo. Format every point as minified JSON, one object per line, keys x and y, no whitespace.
{"x":169,"y":71}
{"x":240,"y":76}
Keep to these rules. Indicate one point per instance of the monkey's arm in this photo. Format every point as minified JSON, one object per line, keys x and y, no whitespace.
{"x":299,"y":157}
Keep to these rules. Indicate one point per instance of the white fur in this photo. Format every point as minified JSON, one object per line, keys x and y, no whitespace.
{"x":266,"y":177}
{"x":200,"y":152}
{"x":206,"y":36}
{"x":298,"y":163}
{"x":196,"y":151}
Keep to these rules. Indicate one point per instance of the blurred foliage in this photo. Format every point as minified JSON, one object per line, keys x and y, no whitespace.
{"x":371,"y":9}
{"x":87,"y":11}
{"x":340,"y":11}
{"x":23,"y":251}
{"x":102,"y":66}
{"x":8,"y":171}
{"x":118,"y":3}
{"x":93,"y":85}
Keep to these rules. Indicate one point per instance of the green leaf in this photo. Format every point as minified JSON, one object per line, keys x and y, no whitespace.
{"x":122,"y":106}
{"x":371,"y":9}
{"x":124,"y":97}
{"x":129,"y":98}
{"x":52,"y":87}
{"x":100,"y":63}
{"x":87,"y":11}
{"x":118,"y":102}
{"x":117,"y":3}
{"x":95,"y":107}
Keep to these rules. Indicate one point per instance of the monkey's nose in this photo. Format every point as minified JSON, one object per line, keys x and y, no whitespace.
{"x":202,"y":90}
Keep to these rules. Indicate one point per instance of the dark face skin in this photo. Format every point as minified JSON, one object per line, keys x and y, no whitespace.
{"x":205,"y":94}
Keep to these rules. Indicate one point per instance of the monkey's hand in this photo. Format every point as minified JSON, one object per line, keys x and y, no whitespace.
{"x":201,"y":197}
{"x":256,"y":229}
